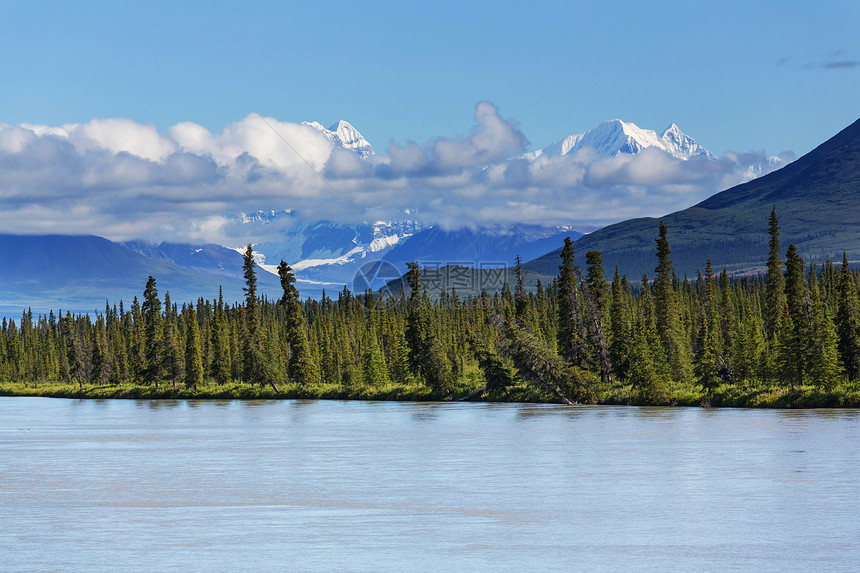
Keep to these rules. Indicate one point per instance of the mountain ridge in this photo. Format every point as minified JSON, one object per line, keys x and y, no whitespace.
{"x":78,"y":272}
{"x":614,"y":137}
{"x":343,"y":134}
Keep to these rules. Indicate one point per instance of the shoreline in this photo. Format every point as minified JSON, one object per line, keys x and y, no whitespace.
{"x":804,"y":397}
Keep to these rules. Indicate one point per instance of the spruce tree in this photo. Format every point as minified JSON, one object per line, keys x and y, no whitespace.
{"x":252,"y":358}
{"x":774,"y":296}
{"x":570,"y":338}
{"x":707,"y":360}
{"x":137,"y":342}
{"x":619,"y":329}
{"x":414,"y":318}
{"x":220,"y":345}
{"x":824,"y":364}
{"x":726,"y":315}
{"x":788,"y":366}
{"x":399,"y":367}
{"x":799,"y":307}
{"x":193,"y":352}
{"x":666,"y":314}
{"x":249,"y":272}
{"x":75,"y":352}
{"x":848,"y":322}
{"x":300,"y":368}
{"x":795,"y":283}
{"x":374,"y":369}
{"x":153,"y":334}
{"x":596,"y":280}
{"x":520,"y":296}
{"x":101,"y":360}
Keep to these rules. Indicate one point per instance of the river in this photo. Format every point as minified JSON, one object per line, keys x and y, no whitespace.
{"x":118,"y":485}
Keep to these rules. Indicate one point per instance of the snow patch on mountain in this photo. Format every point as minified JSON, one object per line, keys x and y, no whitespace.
{"x":382,"y":243}
{"x":367,"y":241}
{"x":346,"y":258}
{"x":259,"y":260}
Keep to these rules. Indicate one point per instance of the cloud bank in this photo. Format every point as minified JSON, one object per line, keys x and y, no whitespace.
{"x":122,"y":180}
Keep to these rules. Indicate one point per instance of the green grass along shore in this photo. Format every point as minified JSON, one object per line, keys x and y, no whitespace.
{"x":740,"y":396}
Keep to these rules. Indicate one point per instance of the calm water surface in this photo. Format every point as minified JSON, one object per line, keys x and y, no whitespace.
{"x":363,"y":486}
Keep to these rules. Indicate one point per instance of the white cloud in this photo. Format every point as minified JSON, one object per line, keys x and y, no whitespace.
{"x":491,"y":140}
{"x":13,"y":139}
{"x":124,"y":180}
{"x":276,"y":144}
{"x":193,"y":138}
{"x":118,"y":135}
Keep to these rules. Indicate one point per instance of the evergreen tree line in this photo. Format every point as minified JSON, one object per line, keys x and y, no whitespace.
{"x":570,"y":340}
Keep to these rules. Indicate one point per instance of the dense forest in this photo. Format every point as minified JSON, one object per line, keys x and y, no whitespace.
{"x":790,"y":337}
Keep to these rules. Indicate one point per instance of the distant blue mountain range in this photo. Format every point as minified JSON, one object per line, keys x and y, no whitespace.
{"x":77,"y":273}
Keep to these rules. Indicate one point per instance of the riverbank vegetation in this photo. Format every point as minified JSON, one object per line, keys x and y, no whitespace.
{"x":789,"y":338}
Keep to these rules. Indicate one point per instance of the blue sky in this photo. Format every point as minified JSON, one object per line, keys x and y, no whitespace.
{"x":735,"y":75}
{"x":166,"y":120}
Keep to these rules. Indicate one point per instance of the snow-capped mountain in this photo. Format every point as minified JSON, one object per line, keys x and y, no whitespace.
{"x":330,"y":255}
{"x":343,"y":134}
{"x":615,"y":137}
{"x":328,"y":252}
{"x":679,"y":144}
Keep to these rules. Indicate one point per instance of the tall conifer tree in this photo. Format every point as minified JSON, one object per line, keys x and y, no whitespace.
{"x":570,"y":337}
{"x":520,"y":297}
{"x":193,"y":352}
{"x":596,"y":280}
{"x":825,"y":368}
{"x":666,"y":313}
{"x":619,"y":328}
{"x":301,"y":367}
{"x":252,"y":363}
{"x":220,"y":345}
{"x":153,"y":333}
{"x":774,"y":295}
{"x":848,"y":322}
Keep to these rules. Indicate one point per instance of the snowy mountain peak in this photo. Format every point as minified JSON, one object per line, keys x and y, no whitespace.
{"x":615,"y":137}
{"x":682,"y":145}
{"x":344,"y":127}
{"x":344,"y":135}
